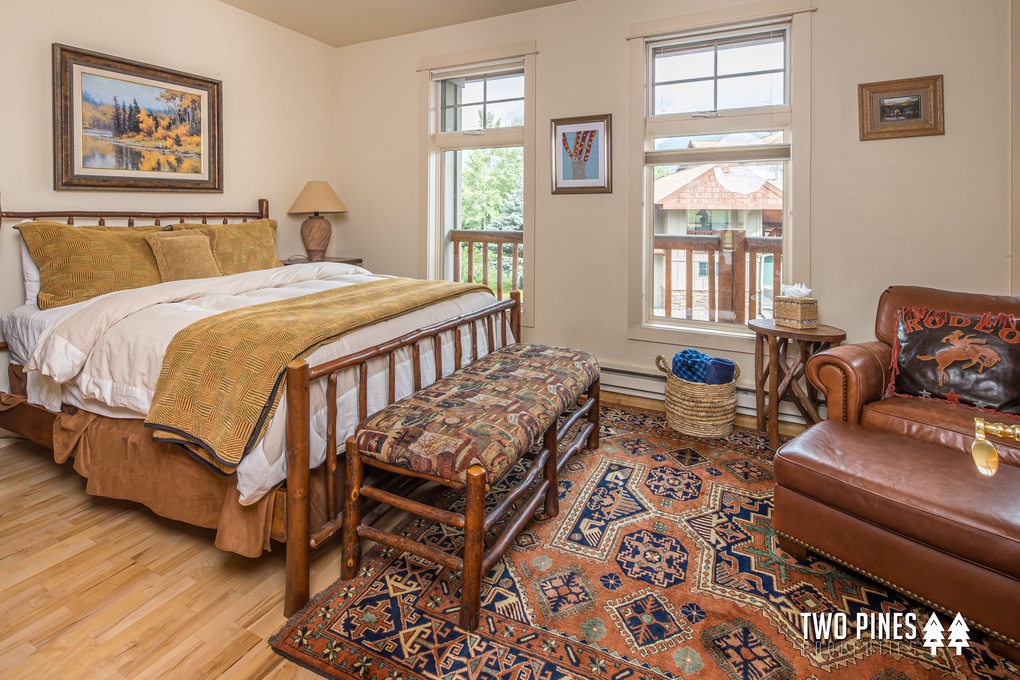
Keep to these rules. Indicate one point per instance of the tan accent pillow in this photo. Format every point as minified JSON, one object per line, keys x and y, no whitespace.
{"x":241,"y":247}
{"x":183,"y":255}
{"x":79,"y":263}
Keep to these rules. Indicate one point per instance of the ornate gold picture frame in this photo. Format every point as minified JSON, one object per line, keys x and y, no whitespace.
{"x":911,"y":107}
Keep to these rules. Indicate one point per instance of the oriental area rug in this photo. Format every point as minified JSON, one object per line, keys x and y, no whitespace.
{"x":662,"y":564}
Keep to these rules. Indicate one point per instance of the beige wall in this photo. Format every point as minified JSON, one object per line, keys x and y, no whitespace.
{"x":1014,"y":34}
{"x":930,"y":211}
{"x":926,"y":211}
{"x":278,"y":105}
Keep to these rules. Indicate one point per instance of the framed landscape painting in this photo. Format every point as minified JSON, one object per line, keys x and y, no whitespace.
{"x":126,"y":126}
{"x":582,"y":155}
{"x":911,"y":107}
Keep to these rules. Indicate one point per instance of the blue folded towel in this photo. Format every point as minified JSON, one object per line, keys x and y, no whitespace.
{"x":690,"y":365}
{"x":719,"y":371}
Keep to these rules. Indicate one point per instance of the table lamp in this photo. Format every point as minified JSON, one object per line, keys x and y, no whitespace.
{"x":317,"y":197}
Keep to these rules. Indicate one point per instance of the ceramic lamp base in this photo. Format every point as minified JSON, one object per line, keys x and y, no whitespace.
{"x":315,"y":234}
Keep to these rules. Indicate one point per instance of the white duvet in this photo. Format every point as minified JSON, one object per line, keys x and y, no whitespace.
{"x":105,"y":354}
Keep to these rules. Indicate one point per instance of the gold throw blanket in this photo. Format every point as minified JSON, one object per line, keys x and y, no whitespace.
{"x":222,"y":377}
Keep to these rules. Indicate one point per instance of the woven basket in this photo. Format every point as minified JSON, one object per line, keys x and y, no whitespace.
{"x":698,"y":409}
{"x":794,"y":312}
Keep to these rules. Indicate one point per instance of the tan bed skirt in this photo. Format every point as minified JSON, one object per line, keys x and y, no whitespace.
{"x":120,"y":460}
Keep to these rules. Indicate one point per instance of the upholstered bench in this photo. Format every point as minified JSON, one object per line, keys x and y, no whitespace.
{"x":465,"y":431}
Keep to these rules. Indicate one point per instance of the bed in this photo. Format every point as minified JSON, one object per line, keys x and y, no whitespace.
{"x":95,"y":375}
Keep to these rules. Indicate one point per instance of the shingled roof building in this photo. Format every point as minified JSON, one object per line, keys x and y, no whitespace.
{"x":707,"y":199}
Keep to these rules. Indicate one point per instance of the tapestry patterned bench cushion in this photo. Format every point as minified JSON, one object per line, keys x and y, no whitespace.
{"x":489,"y":413}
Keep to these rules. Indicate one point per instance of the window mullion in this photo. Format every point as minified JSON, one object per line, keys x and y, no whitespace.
{"x":715,"y":76}
{"x":744,"y":74}
{"x":485,"y":102}
{"x":687,"y":80}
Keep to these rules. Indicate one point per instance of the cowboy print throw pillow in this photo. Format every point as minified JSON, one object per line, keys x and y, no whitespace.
{"x":963,"y":358}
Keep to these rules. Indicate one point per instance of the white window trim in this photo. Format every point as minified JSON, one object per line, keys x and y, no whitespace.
{"x":433,"y":143}
{"x":796,"y":251}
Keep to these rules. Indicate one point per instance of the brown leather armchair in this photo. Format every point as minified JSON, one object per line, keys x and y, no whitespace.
{"x":854,"y":377}
{"x":887,"y":487}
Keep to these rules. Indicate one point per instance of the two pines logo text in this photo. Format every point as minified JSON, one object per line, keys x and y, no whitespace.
{"x":887,"y":626}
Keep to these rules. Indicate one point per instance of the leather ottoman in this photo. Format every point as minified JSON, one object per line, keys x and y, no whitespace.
{"x":911,"y":515}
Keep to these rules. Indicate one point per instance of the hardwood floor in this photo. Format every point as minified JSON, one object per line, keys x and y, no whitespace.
{"x":103,"y":589}
{"x":94,"y":588}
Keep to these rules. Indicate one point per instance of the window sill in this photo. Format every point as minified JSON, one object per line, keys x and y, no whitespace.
{"x":726,"y":337}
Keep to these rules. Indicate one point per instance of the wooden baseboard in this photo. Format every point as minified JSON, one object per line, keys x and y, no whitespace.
{"x":741,"y":420}
{"x":628,"y":400}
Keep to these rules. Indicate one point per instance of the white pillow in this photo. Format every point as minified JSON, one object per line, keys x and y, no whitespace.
{"x":31,"y":270}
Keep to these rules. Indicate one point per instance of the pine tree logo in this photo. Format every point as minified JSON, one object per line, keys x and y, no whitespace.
{"x":933,"y":634}
{"x":958,"y":634}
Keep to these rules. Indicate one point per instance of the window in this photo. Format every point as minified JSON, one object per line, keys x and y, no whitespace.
{"x":480,"y":142}
{"x":720,"y":210}
{"x":742,"y":71}
{"x":483,"y":101}
{"x":714,"y":223}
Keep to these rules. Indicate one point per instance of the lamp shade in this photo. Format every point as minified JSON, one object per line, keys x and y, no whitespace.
{"x":317,"y":197}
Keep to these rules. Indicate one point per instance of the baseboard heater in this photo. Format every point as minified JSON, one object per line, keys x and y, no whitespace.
{"x":650,"y":385}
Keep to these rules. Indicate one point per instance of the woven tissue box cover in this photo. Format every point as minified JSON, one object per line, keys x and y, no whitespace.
{"x":794,"y":312}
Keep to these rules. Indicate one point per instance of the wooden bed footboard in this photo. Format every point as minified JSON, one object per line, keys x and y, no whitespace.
{"x":299,"y":535}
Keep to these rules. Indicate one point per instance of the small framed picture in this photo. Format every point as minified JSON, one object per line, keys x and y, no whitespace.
{"x":124,"y":125}
{"x":582,"y":160}
{"x":911,"y":107}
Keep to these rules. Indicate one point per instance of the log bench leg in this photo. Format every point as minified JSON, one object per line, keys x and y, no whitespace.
{"x":552,"y":492}
{"x":474,"y":547}
{"x":594,"y":393}
{"x":351,"y":558}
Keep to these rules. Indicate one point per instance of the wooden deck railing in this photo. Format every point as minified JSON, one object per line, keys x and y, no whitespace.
{"x":504,"y":249}
{"x":733,"y":295}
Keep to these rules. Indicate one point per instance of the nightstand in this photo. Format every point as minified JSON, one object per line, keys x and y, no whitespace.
{"x":301,"y":259}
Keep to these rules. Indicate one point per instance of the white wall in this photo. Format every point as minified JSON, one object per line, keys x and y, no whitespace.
{"x":926,"y":211}
{"x":278,"y":105}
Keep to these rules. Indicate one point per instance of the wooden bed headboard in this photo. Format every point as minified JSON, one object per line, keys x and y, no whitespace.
{"x":12,"y":291}
{"x":129,"y":216}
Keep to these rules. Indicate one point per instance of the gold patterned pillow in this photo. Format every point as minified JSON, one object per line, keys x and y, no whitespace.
{"x":183,"y":255}
{"x":79,"y":263}
{"x":242,"y":247}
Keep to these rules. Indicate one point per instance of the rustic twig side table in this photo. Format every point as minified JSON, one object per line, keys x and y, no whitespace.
{"x":781,"y":373}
